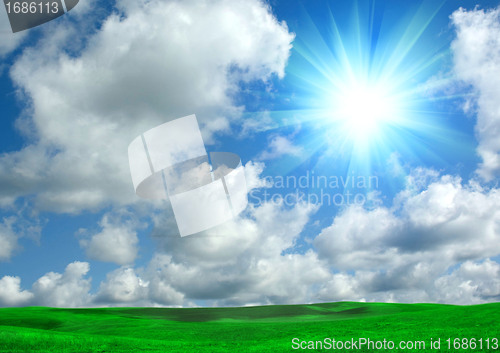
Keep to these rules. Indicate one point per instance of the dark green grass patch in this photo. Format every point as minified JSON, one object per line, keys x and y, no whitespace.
{"x":247,"y":329}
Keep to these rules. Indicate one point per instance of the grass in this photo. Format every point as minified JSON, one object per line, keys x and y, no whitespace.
{"x":247,"y":329}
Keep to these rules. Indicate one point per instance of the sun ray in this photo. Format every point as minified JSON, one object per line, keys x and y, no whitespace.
{"x":361,"y":85}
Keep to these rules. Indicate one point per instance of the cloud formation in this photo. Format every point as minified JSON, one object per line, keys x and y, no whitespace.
{"x":141,"y":68}
{"x":436,"y":243}
{"x":243,"y":262}
{"x":14,"y":227}
{"x":402,"y":252}
{"x":476,"y":50}
{"x":280,"y":146}
{"x":471,"y":283}
{"x":116,"y":242}
{"x":69,"y":289}
{"x":11,"y":293}
{"x":8,"y":239}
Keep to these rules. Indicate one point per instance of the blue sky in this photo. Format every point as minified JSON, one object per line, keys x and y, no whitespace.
{"x":399,"y":97}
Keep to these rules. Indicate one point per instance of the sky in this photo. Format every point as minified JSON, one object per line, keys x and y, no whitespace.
{"x":369,"y":132}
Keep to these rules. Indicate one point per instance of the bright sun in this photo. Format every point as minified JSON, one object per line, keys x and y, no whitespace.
{"x":364,"y":109}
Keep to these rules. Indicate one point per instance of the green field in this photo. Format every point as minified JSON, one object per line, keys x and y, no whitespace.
{"x":248,"y":329}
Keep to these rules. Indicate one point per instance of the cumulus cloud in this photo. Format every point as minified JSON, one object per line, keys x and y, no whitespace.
{"x":435,"y":244}
{"x":400,"y":253}
{"x":472,"y":283}
{"x":150,"y":61}
{"x":280,"y":146}
{"x":8,"y":240}
{"x":253,"y":171}
{"x":249,"y":260}
{"x":116,"y":242}
{"x":123,"y":286}
{"x":439,"y":220}
{"x":11,"y":293}
{"x":14,"y":227}
{"x":476,"y":52}
{"x":69,"y":289}
{"x":242,"y":261}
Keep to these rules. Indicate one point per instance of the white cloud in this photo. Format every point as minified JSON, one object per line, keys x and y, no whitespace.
{"x":244,"y":261}
{"x":8,"y":239}
{"x":357,"y":239}
{"x":447,"y":220}
{"x":239,"y":262}
{"x":161,"y":292}
{"x":70,"y":289}
{"x":399,"y":253}
{"x":116,"y":242}
{"x":471,"y":283}
{"x":342,"y":286}
{"x":125,"y":286}
{"x":11,"y":293}
{"x":476,"y":52}
{"x":252,"y":175}
{"x":434,"y":245}
{"x":14,"y":227}
{"x":122,"y":286}
{"x":280,"y":146}
{"x":257,"y":122}
{"x":154,"y":61}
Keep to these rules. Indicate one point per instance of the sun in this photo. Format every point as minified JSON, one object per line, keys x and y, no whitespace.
{"x":364,"y":109}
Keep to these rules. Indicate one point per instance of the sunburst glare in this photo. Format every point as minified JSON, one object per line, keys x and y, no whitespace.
{"x":362,"y":85}
{"x":363,"y":109}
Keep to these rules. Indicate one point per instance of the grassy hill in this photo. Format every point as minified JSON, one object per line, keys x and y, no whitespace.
{"x":251,"y":329}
